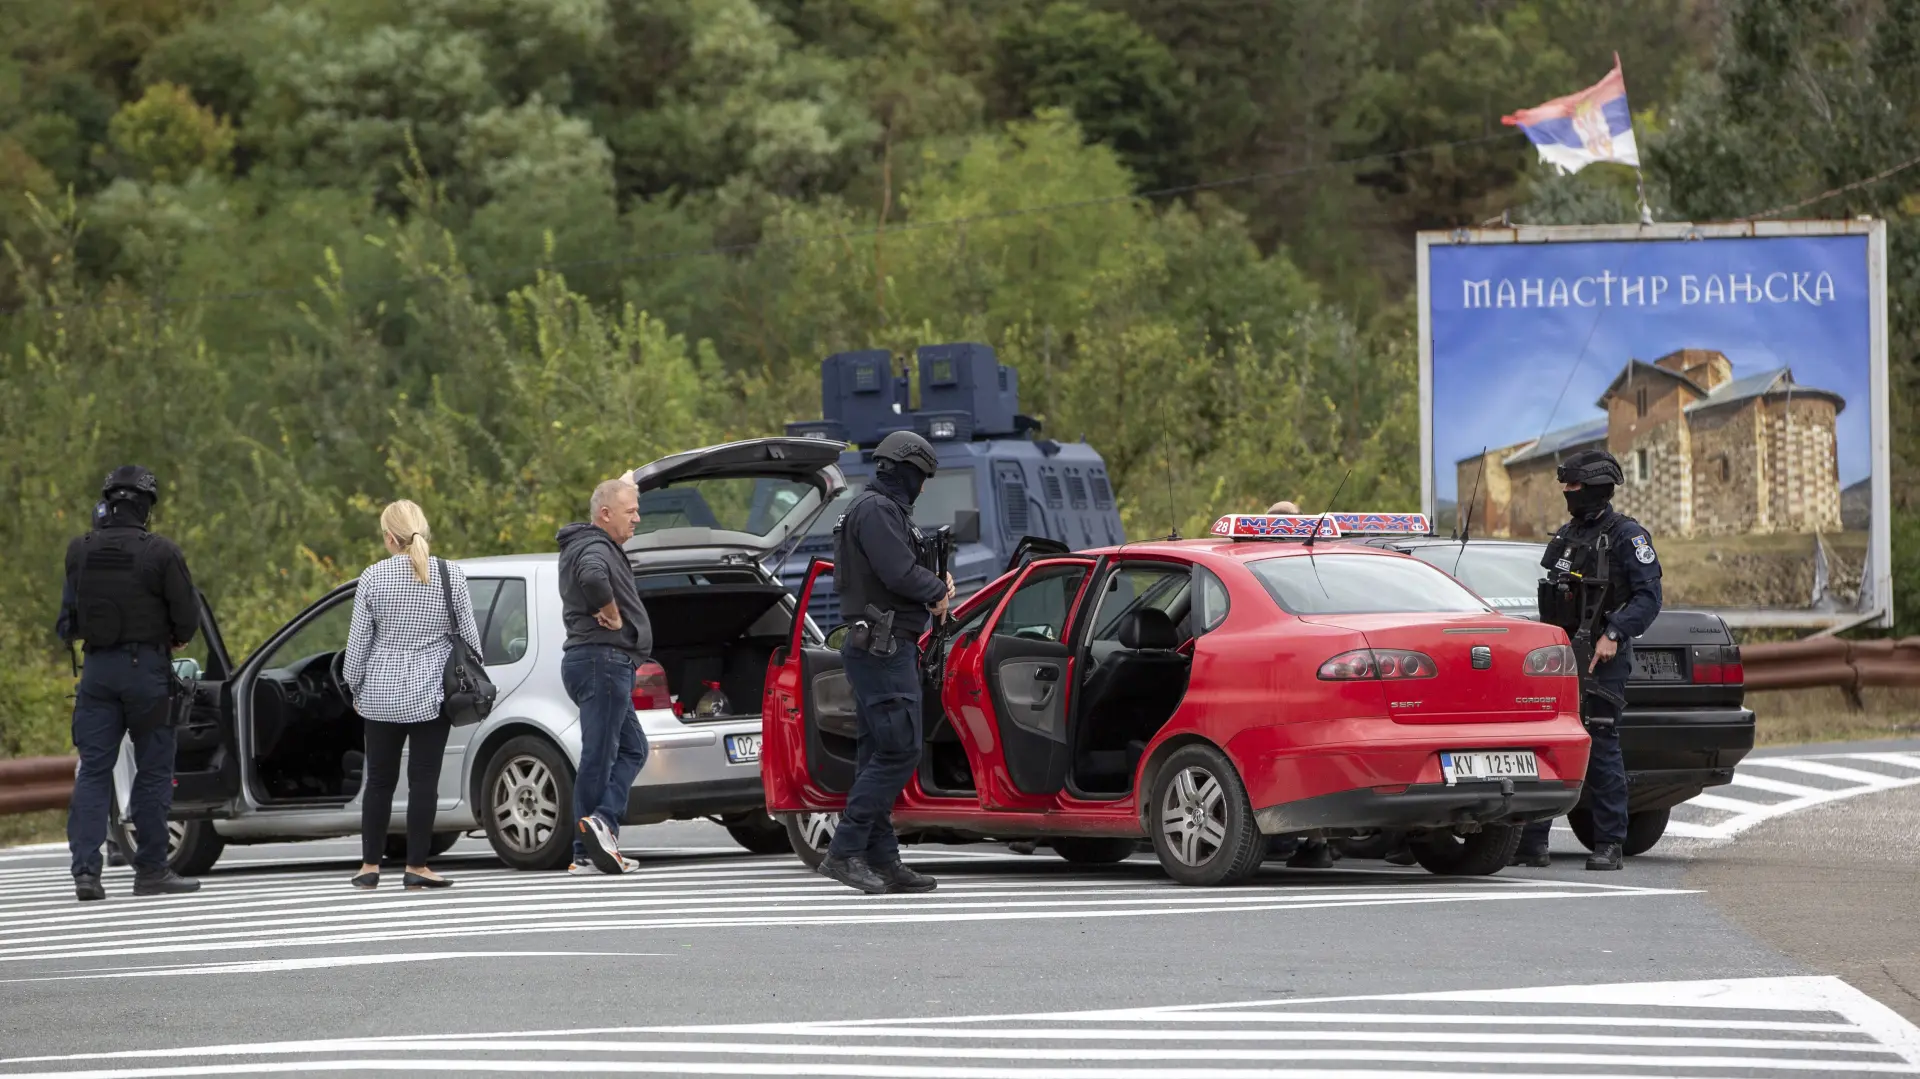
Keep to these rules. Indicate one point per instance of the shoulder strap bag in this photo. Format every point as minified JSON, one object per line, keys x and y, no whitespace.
{"x":467,"y":694}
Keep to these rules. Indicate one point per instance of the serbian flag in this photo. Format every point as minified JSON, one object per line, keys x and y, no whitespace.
{"x":1581,"y":129}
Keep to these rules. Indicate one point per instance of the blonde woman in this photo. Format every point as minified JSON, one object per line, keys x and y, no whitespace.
{"x":396,"y":652}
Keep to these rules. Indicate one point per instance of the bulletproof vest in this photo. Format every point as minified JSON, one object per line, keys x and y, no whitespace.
{"x":859,"y":585}
{"x":116,"y":601}
{"x":1580,"y":574}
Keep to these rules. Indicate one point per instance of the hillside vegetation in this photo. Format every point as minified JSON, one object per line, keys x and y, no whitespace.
{"x":301,"y":257}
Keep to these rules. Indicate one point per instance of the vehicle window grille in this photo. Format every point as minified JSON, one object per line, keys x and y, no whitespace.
{"x":1050,"y":483}
{"x":1013,"y":505}
{"x":1077,"y":490}
{"x":1102,"y":494}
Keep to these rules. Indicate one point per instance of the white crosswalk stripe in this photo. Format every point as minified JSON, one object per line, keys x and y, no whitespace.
{"x":307,"y":907}
{"x":1767,"y":787}
{"x":1804,"y":1026}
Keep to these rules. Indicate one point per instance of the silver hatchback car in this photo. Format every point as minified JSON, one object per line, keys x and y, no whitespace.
{"x":274,"y":750}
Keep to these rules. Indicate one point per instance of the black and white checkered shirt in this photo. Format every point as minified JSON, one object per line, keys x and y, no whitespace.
{"x":398,"y":646}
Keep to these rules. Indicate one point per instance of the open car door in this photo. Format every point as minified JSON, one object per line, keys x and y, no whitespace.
{"x":206,"y":767}
{"x":1030,"y":675}
{"x":1032,"y":547}
{"x":808,"y":755}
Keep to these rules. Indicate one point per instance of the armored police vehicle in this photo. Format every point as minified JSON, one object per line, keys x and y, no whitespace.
{"x":1000,"y":481}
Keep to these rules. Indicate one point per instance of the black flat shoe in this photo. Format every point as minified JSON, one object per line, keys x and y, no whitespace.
{"x":415,"y":882}
{"x":366,"y":882}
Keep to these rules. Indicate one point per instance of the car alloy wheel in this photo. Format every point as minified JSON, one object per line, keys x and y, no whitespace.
{"x":811,"y":835}
{"x":1201,"y":823}
{"x":1193,"y":814}
{"x":525,"y":804}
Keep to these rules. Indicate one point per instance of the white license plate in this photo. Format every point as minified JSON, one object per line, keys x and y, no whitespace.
{"x":744,"y":748}
{"x":1460,"y":767}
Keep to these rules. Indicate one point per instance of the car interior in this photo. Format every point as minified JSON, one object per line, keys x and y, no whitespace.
{"x":1134,"y":673}
{"x":308,"y":744}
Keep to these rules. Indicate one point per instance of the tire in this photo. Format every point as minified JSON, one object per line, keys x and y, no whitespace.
{"x":526,"y":804}
{"x":760,"y":833}
{"x":442,"y":843}
{"x":192,"y":845}
{"x":1481,"y":854}
{"x":1092,"y":849}
{"x":1581,"y":821}
{"x":808,"y":835}
{"x":1644,"y":829}
{"x":1214,"y":840}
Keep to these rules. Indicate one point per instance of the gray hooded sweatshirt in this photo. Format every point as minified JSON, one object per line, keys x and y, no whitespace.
{"x":593,"y":570}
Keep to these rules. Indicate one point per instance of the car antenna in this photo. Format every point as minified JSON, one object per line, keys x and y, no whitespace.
{"x":1315,"y":534}
{"x":1466,"y":516}
{"x":1166,"y":450}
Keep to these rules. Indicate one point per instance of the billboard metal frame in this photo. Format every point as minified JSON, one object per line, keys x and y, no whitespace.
{"x":1880,"y":537}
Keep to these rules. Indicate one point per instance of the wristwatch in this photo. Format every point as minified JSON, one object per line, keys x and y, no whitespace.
{"x":1612,"y":634}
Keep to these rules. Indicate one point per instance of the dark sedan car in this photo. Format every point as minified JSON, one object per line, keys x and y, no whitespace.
{"x":1684,"y":727}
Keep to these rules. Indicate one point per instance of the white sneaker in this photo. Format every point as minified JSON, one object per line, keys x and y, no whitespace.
{"x":578,"y":870}
{"x":603,"y":849}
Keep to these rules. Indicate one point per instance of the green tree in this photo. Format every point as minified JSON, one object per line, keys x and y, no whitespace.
{"x":168,"y":137}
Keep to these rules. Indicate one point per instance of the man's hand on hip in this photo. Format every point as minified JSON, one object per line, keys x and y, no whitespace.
{"x":608,"y":616}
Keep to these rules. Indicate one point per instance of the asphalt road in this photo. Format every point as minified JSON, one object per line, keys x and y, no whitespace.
{"x":1713,"y":955}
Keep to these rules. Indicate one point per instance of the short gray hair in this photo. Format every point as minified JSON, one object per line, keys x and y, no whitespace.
{"x":609,"y":490}
{"x":1283,"y":507}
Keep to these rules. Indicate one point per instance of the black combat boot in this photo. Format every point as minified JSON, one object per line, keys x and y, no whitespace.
{"x":901,"y":879}
{"x":853,"y":872}
{"x":163,"y":882}
{"x":1607,"y":856}
{"x":1312,"y":854}
{"x":1532,"y":859}
{"x":87,"y":887}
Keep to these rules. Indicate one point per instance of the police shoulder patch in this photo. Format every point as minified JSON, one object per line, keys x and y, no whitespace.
{"x":1643,"y":548}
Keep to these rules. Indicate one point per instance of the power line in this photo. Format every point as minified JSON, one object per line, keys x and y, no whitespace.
{"x":1824,"y":195}
{"x":801,"y":241}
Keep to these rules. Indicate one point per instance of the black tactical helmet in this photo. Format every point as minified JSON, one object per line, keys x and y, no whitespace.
{"x":1591,"y":467}
{"x":908,"y":448}
{"x":128,"y":480}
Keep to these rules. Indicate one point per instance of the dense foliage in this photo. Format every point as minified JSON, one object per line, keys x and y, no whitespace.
{"x":302,"y":257}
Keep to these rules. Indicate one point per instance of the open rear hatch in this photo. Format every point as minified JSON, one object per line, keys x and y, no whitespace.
{"x":758,"y":495}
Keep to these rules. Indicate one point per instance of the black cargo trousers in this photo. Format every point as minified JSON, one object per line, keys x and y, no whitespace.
{"x":1606,"y":786}
{"x":886,"y":701}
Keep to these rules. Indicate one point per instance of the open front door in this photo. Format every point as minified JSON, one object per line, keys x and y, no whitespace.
{"x":1030,"y":674}
{"x":808,"y":757}
{"x":206,"y":765}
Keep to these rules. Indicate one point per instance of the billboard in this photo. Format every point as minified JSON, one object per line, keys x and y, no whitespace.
{"x":1738,"y":372}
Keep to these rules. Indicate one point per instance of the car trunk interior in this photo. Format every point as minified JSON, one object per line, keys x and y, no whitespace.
{"x":719,"y":627}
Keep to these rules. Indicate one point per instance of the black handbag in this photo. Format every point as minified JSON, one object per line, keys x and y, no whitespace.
{"x":467,"y":694}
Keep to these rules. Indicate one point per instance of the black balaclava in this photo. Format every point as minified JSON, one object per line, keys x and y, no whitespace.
{"x":1590,"y":500}
{"x":905,"y":478}
{"x":123,"y":509}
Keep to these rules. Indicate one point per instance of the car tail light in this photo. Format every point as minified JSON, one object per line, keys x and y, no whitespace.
{"x":1718,"y":665}
{"x":1554,"y":659}
{"x":650,"y":687}
{"x":1378,"y":663}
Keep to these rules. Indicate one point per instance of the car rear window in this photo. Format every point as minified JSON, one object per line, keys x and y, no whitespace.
{"x":1508,"y":575}
{"x":1361,"y":584}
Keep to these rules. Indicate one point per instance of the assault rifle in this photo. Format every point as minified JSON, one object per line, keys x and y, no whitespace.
{"x":1593,"y":591}
{"x":930,"y":659}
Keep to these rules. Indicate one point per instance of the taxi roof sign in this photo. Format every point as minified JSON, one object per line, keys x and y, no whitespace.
{"x":1300,"y":526}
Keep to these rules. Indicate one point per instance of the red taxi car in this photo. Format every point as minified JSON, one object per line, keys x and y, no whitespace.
{"x":1208,"y":693}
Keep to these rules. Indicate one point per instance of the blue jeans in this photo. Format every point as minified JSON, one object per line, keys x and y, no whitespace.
{"x":118,"y":685}
{"x":1606,"y":787}
{"x":599,"y":680}
{"x":886,"y":700}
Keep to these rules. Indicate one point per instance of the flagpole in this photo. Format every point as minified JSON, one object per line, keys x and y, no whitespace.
{"x":1639,"y":177}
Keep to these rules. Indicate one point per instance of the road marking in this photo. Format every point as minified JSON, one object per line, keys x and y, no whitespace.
{"x":1720,"y":815}
{"x":1806,"y":1025}
{"x":40,"y":923}
{"x":317,"y":962}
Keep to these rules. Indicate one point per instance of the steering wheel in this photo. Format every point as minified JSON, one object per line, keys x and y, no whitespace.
{"x":337,"y":671}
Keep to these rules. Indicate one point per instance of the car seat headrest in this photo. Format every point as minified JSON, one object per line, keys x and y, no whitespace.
{"x":1148,"y":627}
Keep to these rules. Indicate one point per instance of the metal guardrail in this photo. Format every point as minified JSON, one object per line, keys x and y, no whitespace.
{"x":31,"y":784}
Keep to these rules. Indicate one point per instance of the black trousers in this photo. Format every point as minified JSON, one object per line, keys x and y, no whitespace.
{"x":425,"y":743}
{"x":886,"y":700}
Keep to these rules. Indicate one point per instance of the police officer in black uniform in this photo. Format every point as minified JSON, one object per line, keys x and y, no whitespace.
{"x":882,"y":568}
{"x":129,"y":598}
{"x":1603,"y":588}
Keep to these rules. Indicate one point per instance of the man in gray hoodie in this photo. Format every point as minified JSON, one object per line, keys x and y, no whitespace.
{"x":608,"y":635}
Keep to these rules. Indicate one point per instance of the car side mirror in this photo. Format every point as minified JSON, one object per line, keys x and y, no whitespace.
{"x":837,"y":635}
{"x":187,"y":669}
{"x":966,"y":526}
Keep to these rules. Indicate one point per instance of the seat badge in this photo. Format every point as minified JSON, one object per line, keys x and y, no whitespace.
{"x":1482,"y":657}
